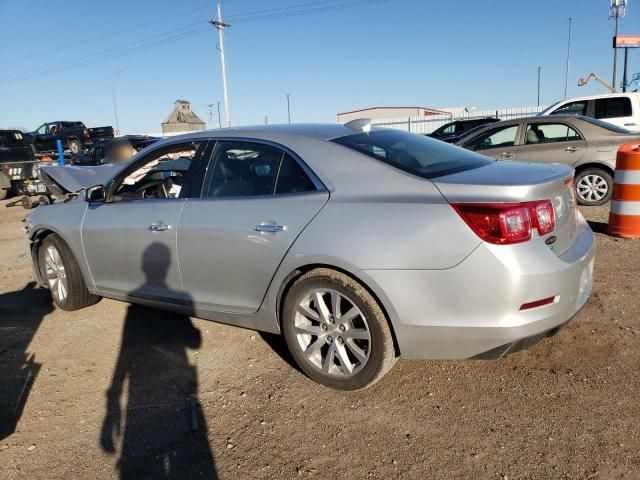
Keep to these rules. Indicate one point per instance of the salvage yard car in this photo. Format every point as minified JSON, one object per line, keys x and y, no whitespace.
{"x":18,"y":166}
{"x":74,"y":136}
{"x":357,"y":244}
{"x":588,"y":145}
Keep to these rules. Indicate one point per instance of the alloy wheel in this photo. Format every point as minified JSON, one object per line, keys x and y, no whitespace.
{"x":332,"y":332}
{"x":592,"y":188}
{"x":56,"y":274}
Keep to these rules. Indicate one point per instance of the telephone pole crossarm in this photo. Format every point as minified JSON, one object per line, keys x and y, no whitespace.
{"x":218,"y":24}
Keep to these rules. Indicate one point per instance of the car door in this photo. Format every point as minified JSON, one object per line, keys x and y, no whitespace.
{"x":499,"y":142}
{"x":547,"y":142}
{"x":42,"y":137}
{"x":256,"y":199}
{"x":130,"y":239}
{"x":615,"y":110}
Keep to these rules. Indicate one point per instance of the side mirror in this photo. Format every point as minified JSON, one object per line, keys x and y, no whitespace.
{"x":94,"y":194}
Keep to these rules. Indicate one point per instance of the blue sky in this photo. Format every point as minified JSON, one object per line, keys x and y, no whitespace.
{"x":396,"y":52}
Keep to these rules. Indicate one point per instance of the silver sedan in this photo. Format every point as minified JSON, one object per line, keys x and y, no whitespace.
{"x":358,"y":245}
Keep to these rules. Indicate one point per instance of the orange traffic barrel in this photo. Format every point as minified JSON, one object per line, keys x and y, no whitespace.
{"x":624,"y":216}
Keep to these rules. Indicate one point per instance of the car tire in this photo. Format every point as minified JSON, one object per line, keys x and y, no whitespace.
{"x":5,"y":185}
{"x":62,"y":275}
{"x":344,"y":344}
{"x":594,"y":186}
{"x":75,"y":147}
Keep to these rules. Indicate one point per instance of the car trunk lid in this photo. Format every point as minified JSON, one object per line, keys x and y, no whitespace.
{"x":511,"y":182}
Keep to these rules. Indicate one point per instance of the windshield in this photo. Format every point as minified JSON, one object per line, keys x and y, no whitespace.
{"x":416,"y":154}
{"x":544,"y":112}
{"x":446,"y":129}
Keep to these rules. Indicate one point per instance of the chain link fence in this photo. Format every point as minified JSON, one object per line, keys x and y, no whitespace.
{"x":432,"y":122}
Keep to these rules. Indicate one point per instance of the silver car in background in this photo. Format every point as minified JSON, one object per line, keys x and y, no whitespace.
{"x":358,"y":245}
{"x":586,"y":144}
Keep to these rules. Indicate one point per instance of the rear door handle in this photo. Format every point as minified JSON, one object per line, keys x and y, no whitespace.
{"x":630,"y":124}
{"x":159,"y":227}
{"x":269,"y":227}
{"x":571,"y":149}
{"x":507,"y":154}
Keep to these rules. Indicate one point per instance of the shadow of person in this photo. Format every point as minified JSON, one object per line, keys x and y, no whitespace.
{"x":21,"y":313}
{"x":165,"y":433}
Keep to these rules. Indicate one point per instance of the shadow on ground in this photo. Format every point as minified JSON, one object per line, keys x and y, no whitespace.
{"x":21,"y":313}
{"x":598,"y":227}
{"x":161,"y":432}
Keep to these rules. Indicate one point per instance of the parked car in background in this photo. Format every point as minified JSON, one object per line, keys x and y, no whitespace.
{"x":109,"y":150}
{"x":74,"y":136}
{"x":18,"y":165}
{"x":620,"y":109}
{"x":452,"y":132}
{"x":586,"y":144}
{"x":275,"y":228}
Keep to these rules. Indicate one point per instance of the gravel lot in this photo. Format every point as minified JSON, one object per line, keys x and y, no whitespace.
{"x":567,"y":408}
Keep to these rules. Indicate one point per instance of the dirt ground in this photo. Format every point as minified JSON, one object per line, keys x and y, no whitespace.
{"x":104,"y":393}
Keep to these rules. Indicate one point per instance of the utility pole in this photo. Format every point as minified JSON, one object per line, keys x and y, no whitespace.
{"x":289,"y":107}
{"x":616,"y":11}
{"x":220,"y":26}
{"x":116,"y":75}
{"x":538,"y":86}
{"x":566,"y":71}
{"x":624,"y":75}
{"x":219,"y":117}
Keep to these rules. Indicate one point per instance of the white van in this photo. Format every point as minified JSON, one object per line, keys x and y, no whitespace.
{"x":621,"y":109}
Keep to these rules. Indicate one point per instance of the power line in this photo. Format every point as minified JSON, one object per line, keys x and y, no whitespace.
{"x":105,"y":55}
{"x":309,"y":11}
{"x":74,"y":44}
{"x":145,"y":44}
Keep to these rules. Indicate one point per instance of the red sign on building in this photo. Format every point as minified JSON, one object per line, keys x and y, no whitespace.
{"x":626,"y":41}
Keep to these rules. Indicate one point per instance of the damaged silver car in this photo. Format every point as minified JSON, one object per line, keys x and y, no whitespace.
{"x":359,"y":245}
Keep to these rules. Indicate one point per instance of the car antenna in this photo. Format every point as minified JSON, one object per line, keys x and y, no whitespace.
{"x":362,"y":124}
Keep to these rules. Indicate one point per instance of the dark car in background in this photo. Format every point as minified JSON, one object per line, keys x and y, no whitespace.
{"x":75,"y":136}
{"x":453,"y":131}
{"x":17,"y":161}
{"x":586,"y":144}
{"x":108,"y":150}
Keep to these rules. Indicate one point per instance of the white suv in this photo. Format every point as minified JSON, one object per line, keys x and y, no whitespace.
{"x":621,"y":109}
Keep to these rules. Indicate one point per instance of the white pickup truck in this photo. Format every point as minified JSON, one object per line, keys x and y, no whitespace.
{"x":621,"y":109}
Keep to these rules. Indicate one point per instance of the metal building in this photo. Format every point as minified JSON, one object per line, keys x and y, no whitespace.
{"x":388,"y":112}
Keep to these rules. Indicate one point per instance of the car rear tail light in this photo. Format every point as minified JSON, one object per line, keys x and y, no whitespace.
{"x":507,"y":223}
{"x":85,"y":134}
{"x":544,"y":217}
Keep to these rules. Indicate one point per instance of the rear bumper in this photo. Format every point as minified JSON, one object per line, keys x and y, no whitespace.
{"x":473,"y":309}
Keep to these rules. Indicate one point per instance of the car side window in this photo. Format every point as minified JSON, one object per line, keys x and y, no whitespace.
{"x":572,"y":108}
{"x":549,"y":133}
{"x":161,"y":174}
{"x":42,"y":129}
{"x":613,"y":107}
{"x":245,"y":169}
{"x":292,"y":177}
{"x":494,"y":138}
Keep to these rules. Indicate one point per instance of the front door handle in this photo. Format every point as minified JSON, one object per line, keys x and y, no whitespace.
{"x":159,"y":227}
{"x":571,"y":149}
{"x":632,"y":124}
{"x":507,"y":154}
{"x":269,"y":227}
